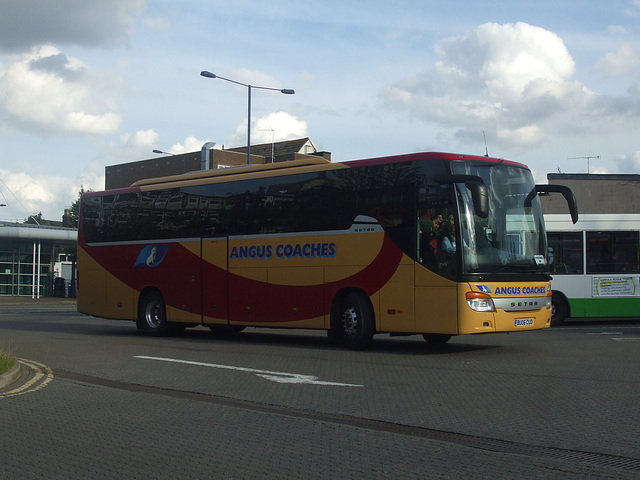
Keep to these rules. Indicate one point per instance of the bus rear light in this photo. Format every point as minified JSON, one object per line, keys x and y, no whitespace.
{"x":480,"y":302}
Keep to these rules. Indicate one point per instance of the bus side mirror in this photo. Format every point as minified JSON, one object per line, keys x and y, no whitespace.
{"x":480,"y":198}
{"x":564,"y":190}
{"x":476,"y":186}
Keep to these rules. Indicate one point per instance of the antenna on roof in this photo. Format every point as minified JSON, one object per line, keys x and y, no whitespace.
{"x":587,"y":158}
{"x":486,"y":150}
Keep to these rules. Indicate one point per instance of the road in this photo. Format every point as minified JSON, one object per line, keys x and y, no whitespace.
{"x":97,"y":399}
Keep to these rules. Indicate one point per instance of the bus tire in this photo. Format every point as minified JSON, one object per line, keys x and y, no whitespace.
{"x":357,"y":321}
{"x":152,"y":315}
{"x":436,"y":338}
{"x":559,"y":309}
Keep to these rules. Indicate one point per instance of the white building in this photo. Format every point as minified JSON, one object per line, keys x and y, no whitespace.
{"x":27,"y":257}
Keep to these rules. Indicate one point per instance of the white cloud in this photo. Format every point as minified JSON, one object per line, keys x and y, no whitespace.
{"x":26,"y":195}
{"x":283,"y":125}
{"x":138,"y":145}
{"x":520,"y":138}
{"x":513,"y":80}
{"x":634,"y":10}
{"x":626,"y":60}
{"x":190,"y":144}
{"x":96,"y":24}
{"x":629,"y":163}
{"x":90,"y":178}
{"x":47,"y":92}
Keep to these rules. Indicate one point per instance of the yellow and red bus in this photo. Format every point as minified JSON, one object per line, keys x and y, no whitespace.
{"x":436,"y":244}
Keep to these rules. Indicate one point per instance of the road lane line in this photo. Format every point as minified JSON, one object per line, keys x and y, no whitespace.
{"x":279,"y":377}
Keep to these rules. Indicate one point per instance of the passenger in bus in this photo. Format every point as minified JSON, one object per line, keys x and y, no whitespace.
{"x":448,"y":237}
{"x":427,"y":239}
{"x":446,"y":248}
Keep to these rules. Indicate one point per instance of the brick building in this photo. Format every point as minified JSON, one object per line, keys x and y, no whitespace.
{"x":595,"y":193}
{"x":124,"y":175}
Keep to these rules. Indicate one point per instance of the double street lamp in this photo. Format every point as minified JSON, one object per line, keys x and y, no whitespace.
{"x":286,"y":91}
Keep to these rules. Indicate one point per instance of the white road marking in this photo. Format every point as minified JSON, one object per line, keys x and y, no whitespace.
{"x":626,"y":339}
{"x":279,"y":377}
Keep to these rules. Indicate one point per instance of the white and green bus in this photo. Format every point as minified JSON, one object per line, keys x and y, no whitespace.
{"x":595,"y":266}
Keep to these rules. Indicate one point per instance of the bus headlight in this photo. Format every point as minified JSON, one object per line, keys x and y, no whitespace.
{"x":480,"y":302}
{"x":549,"y":304}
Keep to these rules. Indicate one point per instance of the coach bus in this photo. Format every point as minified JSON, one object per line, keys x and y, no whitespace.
{"x":595,"y":265}
{"x":427,"y":243}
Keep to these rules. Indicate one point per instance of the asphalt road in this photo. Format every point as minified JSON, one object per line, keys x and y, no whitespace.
{"x":97,"y":399}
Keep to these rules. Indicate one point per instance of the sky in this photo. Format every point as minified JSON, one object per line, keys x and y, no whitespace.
{"x":83,"y":85}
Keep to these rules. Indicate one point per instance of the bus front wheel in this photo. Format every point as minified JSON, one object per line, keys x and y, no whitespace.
{"x":152,"y":315}
{"x":559,"y":309}
{"x":357,"y":321}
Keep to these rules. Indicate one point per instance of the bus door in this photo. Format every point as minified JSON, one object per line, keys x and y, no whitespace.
{"x":174,"y":269}
{"x":215,"y":280}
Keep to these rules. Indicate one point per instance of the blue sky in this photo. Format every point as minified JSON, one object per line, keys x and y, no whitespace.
{"x":84,"y":84}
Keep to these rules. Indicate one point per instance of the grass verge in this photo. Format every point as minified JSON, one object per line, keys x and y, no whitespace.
{"x":6,"y":361}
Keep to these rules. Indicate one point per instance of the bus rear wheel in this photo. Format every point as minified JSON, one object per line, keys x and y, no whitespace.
{"x":357,"y":321}
{"x":152,"y":315}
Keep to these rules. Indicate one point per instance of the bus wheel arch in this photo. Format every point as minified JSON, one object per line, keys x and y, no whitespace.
{"x":559,"y":308}
{"x":352,"y":319}
{"x":152,"y":313}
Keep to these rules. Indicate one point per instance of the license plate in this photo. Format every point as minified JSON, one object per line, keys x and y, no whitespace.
{"x":524,"y":322}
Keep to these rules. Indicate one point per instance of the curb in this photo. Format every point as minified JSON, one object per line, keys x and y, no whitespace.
{"x":11,"y":376}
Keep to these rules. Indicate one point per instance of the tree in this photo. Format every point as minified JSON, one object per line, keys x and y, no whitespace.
{"x":35,"y":219}
{"x":75,"y":207}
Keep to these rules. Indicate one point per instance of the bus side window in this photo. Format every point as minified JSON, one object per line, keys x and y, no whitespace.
{"x":567,"y":251}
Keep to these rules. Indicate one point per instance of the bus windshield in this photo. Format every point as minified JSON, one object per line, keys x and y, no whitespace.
{"x":512,"y":238}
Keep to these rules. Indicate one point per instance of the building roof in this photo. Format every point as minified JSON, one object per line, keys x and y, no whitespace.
{"x":628,"y":177}
{"x":286,"y":147}
{"x":38,"y":232}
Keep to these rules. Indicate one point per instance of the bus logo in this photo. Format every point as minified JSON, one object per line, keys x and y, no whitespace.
{"x":151,"y":256}
{"x":484,"y":288}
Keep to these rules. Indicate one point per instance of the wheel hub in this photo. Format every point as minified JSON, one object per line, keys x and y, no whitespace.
{"x":154,"y":315}
{"x":350,"y":321}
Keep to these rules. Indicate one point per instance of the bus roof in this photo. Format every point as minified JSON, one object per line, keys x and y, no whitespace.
{"x":409,"y":157}
{"x":232,"y":171}
{"x":292,"y":167}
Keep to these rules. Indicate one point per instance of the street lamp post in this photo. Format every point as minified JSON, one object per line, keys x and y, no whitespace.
{"x":286,"y":91}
